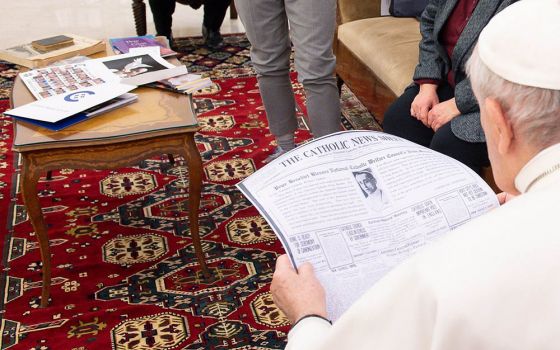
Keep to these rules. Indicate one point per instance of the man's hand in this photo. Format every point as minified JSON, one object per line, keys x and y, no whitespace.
{"x":442,"y":113}
{"x":426,"y":99}
{"x":297,"y":294}
{"x":504,"y":197}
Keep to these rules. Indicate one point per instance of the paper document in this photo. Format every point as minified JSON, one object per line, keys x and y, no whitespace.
{"x":357,"y":203}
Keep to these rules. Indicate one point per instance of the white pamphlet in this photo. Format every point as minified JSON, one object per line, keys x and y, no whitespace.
{"x":59,"y":107}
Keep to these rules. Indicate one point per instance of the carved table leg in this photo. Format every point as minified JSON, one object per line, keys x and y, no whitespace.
{"x":194,"y":162}
{"x":29,"y":180}
{"x":139,"y":12}
{"x":232,"y":11}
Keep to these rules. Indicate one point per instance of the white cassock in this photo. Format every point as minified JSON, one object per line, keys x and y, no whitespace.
{"x":493,"y":283}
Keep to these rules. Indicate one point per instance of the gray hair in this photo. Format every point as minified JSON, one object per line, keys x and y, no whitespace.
{"x":533,"y":112}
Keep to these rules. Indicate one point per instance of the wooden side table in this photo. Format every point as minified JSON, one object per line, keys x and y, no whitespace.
{"x":160,"y":122}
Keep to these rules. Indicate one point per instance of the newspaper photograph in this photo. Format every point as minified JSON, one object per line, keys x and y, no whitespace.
{"x":356,"y":203}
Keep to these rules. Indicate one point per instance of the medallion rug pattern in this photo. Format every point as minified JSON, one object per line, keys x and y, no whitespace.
{"x":124,"y":272}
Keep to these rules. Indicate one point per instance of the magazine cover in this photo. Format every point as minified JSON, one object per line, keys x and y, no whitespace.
{"x":123,"y":45}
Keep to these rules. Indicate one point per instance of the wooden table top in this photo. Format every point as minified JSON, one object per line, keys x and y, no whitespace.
{"x":157,"y":112}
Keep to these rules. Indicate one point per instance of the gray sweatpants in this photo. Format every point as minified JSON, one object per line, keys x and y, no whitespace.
{"x":311,"y":27}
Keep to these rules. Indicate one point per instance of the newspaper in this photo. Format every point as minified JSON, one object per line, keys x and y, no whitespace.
{"x":355,"y":204}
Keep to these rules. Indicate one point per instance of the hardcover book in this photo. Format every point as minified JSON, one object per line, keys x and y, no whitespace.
{"x":52,"y":43}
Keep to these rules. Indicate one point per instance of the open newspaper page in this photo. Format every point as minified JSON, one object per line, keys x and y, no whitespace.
{"x":357,"y":203}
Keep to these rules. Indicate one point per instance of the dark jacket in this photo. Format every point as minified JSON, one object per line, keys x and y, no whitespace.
{"x":434,"y":63}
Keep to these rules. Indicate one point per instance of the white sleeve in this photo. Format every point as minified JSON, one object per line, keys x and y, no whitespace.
{"x":398,"y":313}
{"x":307,"y":332}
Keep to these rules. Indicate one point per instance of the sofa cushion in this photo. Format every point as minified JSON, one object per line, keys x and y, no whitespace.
{"x":387,"y":45}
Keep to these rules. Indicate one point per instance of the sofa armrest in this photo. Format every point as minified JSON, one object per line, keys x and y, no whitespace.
{"x":351,"y":10}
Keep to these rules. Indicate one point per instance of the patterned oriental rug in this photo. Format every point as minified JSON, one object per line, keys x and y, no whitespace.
{"x":124,"y":271}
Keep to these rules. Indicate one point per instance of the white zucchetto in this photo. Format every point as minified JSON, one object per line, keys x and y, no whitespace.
{"x":522,"y":43}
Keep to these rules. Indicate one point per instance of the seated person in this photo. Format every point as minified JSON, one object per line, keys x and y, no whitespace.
{"x":214,"y":13}
{"x":439,"y":110}
{"x":492,"y":283}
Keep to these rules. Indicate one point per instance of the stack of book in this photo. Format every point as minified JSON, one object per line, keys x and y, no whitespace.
{"x":69,"y":94}
{"x":186,"y":83}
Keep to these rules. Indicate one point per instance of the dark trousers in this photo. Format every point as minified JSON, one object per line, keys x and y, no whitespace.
{"x":214,"y":13}
{"x":399,"y":122}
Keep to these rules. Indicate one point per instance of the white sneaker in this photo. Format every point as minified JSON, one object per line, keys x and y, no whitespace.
{"x":277,"y":153}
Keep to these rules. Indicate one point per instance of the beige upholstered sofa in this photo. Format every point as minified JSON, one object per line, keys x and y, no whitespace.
{"x":376,"y":56}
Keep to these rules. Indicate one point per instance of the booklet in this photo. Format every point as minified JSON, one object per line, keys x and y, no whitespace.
{"x":104,"y":107}
{"x":66,"y":79}
{"x":357,"y":203}
{"x":123,"y":45}
{"x":56,"y":108}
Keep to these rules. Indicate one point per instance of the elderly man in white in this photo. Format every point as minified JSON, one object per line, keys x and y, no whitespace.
{"x":494,"y":283}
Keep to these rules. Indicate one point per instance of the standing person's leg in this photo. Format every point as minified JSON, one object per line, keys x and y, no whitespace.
{"x":312,"y":24}
{"x":162,"y":11}
{"x":214,"y":13}
{"x":266,"y":26}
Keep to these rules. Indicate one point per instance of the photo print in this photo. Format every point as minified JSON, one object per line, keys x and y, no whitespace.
{"x":131,"y":66}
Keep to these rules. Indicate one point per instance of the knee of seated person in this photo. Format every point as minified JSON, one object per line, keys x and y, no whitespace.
{"x":444,"y":141}
{"x":390,"y":121}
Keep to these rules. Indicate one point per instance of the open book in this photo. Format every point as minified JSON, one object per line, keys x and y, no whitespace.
{"x":357,"y":203}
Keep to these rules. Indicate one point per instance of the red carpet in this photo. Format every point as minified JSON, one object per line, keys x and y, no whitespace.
{"x":124,"y":272}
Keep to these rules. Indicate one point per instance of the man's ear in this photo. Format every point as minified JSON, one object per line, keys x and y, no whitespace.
{"x":501,"y":127}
